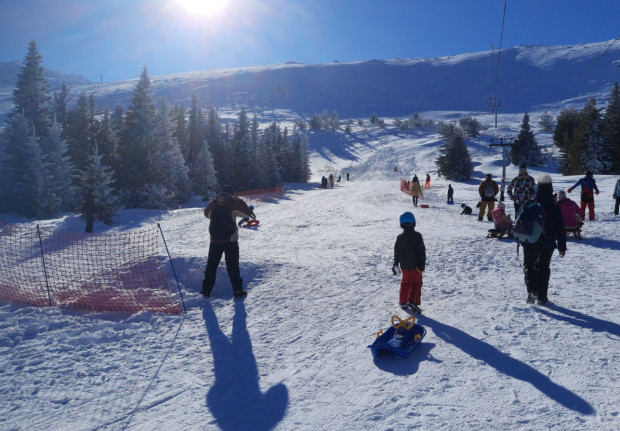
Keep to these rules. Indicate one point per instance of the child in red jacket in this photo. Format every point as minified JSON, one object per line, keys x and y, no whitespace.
{"x":410,"y":257}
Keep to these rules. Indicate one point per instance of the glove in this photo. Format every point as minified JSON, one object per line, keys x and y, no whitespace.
{"x":614,"y":196}
{"x":569,"y":190}
{"x":396,"y":270}
{"x":596,"y":192}
{"x":252,"y":215}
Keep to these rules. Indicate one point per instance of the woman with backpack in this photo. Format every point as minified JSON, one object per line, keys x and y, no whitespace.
{"x":537,"y":255}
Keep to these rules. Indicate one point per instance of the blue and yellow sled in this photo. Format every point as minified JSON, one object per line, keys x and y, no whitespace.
{"x":401,"y":338}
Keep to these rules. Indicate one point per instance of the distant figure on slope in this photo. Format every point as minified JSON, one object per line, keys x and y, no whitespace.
{"x":450,"y":194}
{"x":616,"y":196}
{"x":347,"y":176}
{"x":466,"y":209}
{"x":572,"y":214}
{"x":521,"y":188}
{"x":416,"y":191}
{"x":410,"y":259}
{"x":427,"y":184}
{"x":588,"y":188}
{"x":537,"y":256}
{"x":324,"y":182}
{"x":331,"y":180}
{"x":487,"y":190}
{"x":222,"y":212}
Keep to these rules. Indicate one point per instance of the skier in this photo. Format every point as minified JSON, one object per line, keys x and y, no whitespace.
{"x":223,"y":211}
{"x":572,"y":214}
{"x":487,"y":190}
{"x":524,"y":188}
{"x":410,"y":259}
{"x":537,"y":256}
{"x":588,"y":187}
{"x":416,"y":190}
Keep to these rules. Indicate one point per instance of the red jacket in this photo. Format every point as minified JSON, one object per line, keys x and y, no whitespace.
{"x":570,"y":211}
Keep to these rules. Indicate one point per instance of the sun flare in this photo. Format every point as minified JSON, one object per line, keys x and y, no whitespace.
{"x":204,"y":7}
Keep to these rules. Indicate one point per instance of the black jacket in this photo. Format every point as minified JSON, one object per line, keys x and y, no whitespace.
{"x":554,"y":233}
{"x":409,"y":250}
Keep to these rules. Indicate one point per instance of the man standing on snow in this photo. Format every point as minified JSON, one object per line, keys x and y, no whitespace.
{"x":521,"y":188}
{"x":616,"y":196}
{"x":223,"y":211}
{"x":588,"y":188}
{"x":487,"y":190}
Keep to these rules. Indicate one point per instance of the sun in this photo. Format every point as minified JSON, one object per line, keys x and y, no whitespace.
{"x":204,"y":7}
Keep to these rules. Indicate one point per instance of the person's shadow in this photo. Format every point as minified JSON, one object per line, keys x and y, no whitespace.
{"x":235,"y":399}
{"x":507,"y":365}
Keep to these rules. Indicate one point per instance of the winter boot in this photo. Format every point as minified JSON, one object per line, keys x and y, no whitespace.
{"x":240,"y":294}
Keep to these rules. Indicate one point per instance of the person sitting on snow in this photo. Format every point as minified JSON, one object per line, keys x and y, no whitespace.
{"x":502,"y":221}
{"x":572,"y":214}
{"x":466,"y":209}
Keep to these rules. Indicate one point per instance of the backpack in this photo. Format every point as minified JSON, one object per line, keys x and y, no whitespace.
{"x":529,"y":223}
{"x":489,"y":192}
{"x":222,"y":225}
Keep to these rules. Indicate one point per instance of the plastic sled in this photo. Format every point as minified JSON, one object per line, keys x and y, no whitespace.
{"x":401,"y":338}
{"x":499,"y":233}
{"x":574,"y":231}
{"x":249,"y":223}
{"x":424,"y":206}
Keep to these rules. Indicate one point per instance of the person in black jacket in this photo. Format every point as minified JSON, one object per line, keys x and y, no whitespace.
{"x":410,"y":259}
{"x":537,"y":256}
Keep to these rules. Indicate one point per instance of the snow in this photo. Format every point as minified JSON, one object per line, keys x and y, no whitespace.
{"x":293,"y":355}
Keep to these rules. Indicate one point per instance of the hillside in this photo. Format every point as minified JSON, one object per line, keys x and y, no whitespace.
{"x":530,"y":77}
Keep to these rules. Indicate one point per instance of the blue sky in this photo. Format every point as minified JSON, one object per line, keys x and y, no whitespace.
{"x":116,"y":38}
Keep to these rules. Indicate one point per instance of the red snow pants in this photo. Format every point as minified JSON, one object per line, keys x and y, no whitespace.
{"x":411,"y":287}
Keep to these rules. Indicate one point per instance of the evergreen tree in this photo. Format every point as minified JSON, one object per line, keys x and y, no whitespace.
{"x":564,"y":138}
{"x":31,"y":96}
{"x":180,"y":130}
{"x":241,"y":154}
{"x":272,"y":138}
{"x":61,"y":98}
{"x":106,"y":139}
{"x":525,"y":149}
{"x":137,"y":141}
{"x":195,"y":143}
{"x":546,"y":122}
{"x":168,"y":173}
{"x":471,"y":126}
{"x":611,"y":129}
{"x":80,"y":130}
{"x":454,"y":161}
{"x":58,"y":173}
{"x":96,"y":182}
{"x":218,"y":146}
{"x":594,"y":156}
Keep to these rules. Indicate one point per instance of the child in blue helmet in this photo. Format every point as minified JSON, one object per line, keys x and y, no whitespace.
{"x":410,"y":258}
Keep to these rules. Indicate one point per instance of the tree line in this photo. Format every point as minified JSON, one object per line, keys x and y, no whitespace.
{"x":586,"y":139}
{"x":152,"y":155}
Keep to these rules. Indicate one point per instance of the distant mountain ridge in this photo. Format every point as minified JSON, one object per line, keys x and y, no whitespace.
{"x":529,"y":78}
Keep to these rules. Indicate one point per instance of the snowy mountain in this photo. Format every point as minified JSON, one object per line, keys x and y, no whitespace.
{"x":529,"y":78}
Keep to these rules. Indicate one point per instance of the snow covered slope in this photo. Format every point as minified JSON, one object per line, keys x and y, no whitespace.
{"x":294,"y":356}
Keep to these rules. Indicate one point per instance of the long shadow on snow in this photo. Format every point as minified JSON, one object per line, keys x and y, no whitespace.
{"x":579,"y":319}
{"x":235,"y":399}
{"x":603,"y":243}
{"x":509,"y":366}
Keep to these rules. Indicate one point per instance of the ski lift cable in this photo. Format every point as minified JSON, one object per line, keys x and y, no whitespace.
{"x":499,"y":53}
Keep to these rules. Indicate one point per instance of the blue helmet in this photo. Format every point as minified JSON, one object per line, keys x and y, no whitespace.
{"x":407,"y":217}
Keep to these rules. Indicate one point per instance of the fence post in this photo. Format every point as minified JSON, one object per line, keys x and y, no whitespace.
{"x":49,"y":295}
{"x":172,"y":265}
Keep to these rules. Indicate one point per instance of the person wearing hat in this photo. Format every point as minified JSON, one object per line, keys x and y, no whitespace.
{"x":537,"y":256}
{"x":501,"y":219}
{"x":223,"y":211}
{"x":588,"y":187}
{"x":521,"y":188}
{"x":572,"y":214}
{"x":466,"y":209}
{"x":487,"y":190}
{"x":416,"y":190}
{"x":410,"y":260}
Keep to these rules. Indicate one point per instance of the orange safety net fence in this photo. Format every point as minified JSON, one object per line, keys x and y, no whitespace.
{"x":103,"y":272}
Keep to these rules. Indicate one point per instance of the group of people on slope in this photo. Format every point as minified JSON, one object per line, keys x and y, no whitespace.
{"x":415,"y":189}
